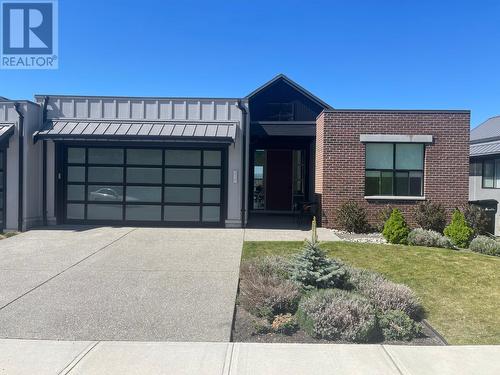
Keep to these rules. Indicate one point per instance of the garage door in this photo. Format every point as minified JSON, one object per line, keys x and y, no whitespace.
{"x":104,"y":185}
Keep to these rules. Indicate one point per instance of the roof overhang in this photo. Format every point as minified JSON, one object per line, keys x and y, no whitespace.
{"x":6,"y":131}
{"x":107,"y":130}
{"x":286,"y":128}
{"x":484,"y":149}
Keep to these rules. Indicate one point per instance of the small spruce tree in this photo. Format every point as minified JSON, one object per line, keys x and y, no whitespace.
{"x":395,"y":228}
{"x":312,"y":269}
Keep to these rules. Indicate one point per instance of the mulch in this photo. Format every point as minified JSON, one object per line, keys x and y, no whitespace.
{"x":243,"y":331}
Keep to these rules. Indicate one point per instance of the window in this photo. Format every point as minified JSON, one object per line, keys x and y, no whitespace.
{"x":259,"y":195}
{"x":491,"y":173}
{"x":298,"y":178}
{"x":394,"y":169}
{"x":280,"y":112}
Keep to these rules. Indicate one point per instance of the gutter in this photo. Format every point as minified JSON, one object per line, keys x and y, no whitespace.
{"x":21,"y":169}
{"x":244,"y":112}
{"x":44,"y":161}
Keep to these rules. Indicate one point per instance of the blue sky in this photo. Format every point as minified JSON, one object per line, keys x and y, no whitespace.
{"x":352,"y":54}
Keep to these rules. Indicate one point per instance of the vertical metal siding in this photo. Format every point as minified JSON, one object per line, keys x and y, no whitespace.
{"x":143,"y":109}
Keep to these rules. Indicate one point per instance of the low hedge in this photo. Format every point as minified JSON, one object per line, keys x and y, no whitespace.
{"x":485,"y":245}
{"x":430,"y":238}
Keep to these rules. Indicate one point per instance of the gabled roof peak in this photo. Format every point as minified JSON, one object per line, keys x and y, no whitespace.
{"x":293,"y":84}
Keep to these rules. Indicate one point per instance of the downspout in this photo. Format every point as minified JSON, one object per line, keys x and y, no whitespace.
{"x":44,"y":167}
{"x":21,"y":169}
{"x":243,"y":161}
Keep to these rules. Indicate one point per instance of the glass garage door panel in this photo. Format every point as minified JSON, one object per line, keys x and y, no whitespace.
{"x":143,"y":213}
{"x":104,"y":193}
{"x":104,"y":211}
{"x":143,"y":185}
{"x":182,"y":213}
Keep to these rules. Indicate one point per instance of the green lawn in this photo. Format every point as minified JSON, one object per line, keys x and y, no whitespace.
{"x":460,"y":290}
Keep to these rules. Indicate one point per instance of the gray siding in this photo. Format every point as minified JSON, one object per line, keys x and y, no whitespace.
{"x":153,"y":109}
{"x":32,"y":194}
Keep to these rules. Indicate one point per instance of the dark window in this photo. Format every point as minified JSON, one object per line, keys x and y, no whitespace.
{"x":259,"y":169}
{"x":491,"y":173}
{"x":280,"y":112}
{"x":394,"y":169}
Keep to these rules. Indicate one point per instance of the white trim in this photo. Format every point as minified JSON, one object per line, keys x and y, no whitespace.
{"x":233,"y":223}
{"x":393,"y":138}
{"x":395,"y":197}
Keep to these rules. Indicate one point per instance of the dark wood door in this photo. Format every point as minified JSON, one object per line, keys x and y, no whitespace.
{"x":279,"y":180}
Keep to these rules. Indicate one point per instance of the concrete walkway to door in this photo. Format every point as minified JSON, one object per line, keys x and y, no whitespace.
{"x":146,"y":284}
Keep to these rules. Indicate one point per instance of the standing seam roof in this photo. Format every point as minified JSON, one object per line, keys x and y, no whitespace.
{"x":64,"y":129}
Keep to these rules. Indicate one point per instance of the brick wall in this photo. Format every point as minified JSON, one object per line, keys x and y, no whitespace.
{"x":340,"y":159}
{"x":318,"y":183}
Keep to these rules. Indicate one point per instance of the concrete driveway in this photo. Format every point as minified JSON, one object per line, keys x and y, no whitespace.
{"x":153,"y":284}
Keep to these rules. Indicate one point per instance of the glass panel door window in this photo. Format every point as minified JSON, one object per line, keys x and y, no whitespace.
{"x":299,"y":166}
{"x":137,"y":184}
{"x":394,"y":169}
{"x":259,"y":193}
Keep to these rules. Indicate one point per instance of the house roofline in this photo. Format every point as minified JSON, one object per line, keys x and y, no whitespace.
{"x":485,"y":121}
{"x":418,"y":111}
{"x":484,"y":140}
{"x":400,"y":110}
{"x":13,"y":101}
{"x":480,"y":140}
{"x":294,"y":85}
{"x":42,"y":96}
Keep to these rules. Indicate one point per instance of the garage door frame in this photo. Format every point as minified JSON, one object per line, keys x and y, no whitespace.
{"x":61,"y":182}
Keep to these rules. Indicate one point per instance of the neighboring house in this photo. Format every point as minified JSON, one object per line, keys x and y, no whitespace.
{"x":217,"y":161}
{"x":20,"y":183}
{"x":484,"y":181}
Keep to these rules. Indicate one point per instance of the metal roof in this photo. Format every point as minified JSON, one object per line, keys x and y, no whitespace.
{"x":6,"y":130}
{"x":488,"y":130}
{"x":488,"y":148}
{"x":59,"y":129}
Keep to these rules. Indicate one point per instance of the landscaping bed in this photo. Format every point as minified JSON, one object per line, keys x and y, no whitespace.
{"x":311,"y":297}
{"x":373,"y":237}
{"x":244,"y":331}
{"x":459,"y":290}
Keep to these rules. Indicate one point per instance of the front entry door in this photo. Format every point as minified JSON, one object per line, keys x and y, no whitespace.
{"x":279,"y":180}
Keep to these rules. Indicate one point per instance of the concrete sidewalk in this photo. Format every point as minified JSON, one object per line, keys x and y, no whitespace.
{"x":186,"y":358}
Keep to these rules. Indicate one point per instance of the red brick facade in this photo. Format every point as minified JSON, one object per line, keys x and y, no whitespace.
{"x":340,"y":158}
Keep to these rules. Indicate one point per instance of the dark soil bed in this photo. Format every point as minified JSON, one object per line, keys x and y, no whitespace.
{"x":243,"y":331}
